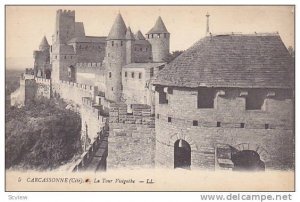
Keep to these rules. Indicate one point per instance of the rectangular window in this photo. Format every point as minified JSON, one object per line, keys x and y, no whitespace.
{"x":169,"y":119}
{"x":157,"y":116}
{"x":242,"y":125}
{"x":125,"y":74}
{"x":140,"y":75}
{"x":112,"y":43}
{"x":162,"y":97}
{"x":151,"y":72}
{"x":255,"y":99}
{"x":132,"y":74}
{"x":267,"y":126}
{"x":109,"y":75}
{"x":218,"y":124}
{"x":121,"y":43}
{"x":195,"y":123}
{"x":206,"y":98}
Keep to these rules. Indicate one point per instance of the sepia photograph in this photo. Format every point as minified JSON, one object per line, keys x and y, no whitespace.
{"x":149,"y":98}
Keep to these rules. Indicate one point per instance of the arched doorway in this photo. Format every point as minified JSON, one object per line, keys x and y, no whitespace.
{"x":182,"y":154}
{"x":247,"y":160}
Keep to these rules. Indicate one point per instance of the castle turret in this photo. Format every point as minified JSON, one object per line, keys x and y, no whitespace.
{"x":115,"y":58}
{"x":159,"y":37}
{"x":129,"y":46}
{"x":42,"y":60}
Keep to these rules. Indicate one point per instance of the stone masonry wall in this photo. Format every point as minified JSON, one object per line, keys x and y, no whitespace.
{"x":131,"y":137}
{"x":274,"y":142}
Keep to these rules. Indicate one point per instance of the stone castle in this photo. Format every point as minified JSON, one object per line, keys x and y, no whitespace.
{"x":225,"y":103}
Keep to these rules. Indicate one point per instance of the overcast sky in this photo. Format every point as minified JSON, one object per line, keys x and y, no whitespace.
{"x":26,"y":25}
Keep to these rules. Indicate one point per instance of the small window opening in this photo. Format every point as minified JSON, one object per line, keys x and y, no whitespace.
{"x":157,"y":116}
{"x":140,"y":75}
{"x":242,"y":125}
{"x":267,"y":126}
{"x":169,"y":119}
{"x":195,"y":123}
{"x":109,"y":75}
{"x":125,"y":74}
{"x":132,"y":74}
{"x":218,"y":124}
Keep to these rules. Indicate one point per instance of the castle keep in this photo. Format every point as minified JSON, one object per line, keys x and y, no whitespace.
{"x":225,"y":103}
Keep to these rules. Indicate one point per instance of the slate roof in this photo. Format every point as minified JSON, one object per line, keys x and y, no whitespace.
{"x":143,"y":65}
{"x":88,"y":39}
{"x":44,"y":44}
{"x":139,"y":36}
{"x":118,"y":30}
{"x":129,"y":34}
{"x":243,"y":61}
{"x":159,"y":27}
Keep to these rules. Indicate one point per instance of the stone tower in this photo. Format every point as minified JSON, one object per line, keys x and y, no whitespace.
{"x":42,"y":60}
{"x":62,"y":55}
{"x":159,"y":38}
{"x":129,"y":46}
{"x":115,"y":58}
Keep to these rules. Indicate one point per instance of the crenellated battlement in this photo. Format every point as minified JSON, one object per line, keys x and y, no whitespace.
{"x":42,"y":80}
{"x":78,"y":85}
{"x":70,"y":13}
{"x":89,"y":67}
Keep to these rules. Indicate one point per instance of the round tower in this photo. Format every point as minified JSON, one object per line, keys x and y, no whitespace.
{"x":115,"y":58}
{"x":159,"y":38}
{"x":129,"y":46}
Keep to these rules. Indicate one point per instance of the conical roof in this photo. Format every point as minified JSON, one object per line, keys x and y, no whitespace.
{"x":129,"y":34}
{"x":44,"y":44}
{"x":139,"y":36}
{"x":118,"y":30}
{"x":159,"y":27}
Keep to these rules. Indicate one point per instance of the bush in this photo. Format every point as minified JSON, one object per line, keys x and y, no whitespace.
{"x":42,"y":135}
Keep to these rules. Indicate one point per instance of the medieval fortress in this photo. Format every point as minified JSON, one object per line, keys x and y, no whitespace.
{"x":227,"y":102}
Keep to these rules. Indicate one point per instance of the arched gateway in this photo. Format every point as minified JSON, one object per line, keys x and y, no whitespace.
{"x":182,"y":154}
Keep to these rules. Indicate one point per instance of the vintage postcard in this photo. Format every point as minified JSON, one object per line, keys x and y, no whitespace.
{"x":149,"y":98}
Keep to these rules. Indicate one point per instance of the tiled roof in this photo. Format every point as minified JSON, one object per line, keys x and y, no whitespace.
{"x":244,"y":61}
{"x":118,"y":29}
{"x":143,"y":65}
{"x":159,"y":27}
{"x":88,"y":39}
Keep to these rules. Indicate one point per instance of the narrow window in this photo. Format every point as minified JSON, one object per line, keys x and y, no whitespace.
{"x":132,"y":74}
{"x":242,"y":125}
{"x":157,"y":116}
{"x":109,"y":74}
{"x":169,"y":119}
{"x":121,"y":43}
{"x":112,"y":43}
{"x":218,"y":124}
{"x":112,"y":88}
{"x":125,"y":74}
{"x":140,"y":75}
{"x":162,"y":97}
{"x":206,"y":98}
{"x":152,"y":36}
{"x":195,"y":123}
{"x":65,"y":57}
{"x":151,"y":72}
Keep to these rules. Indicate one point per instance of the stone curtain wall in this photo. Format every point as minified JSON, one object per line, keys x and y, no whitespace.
{"x":131,"y":137}
{"x":74,"y":92}
{"x":174,"y":121}
{"x":43,"y":88}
